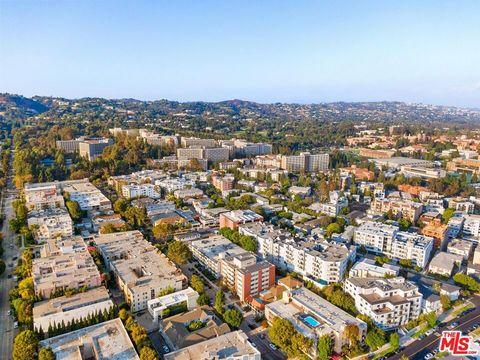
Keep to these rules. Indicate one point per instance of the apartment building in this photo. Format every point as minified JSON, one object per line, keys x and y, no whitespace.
{"x":435,"y":229}
{"x":213,"y":154}
{"x":444,"y":263}
{"x":464,"y":165}
{"x":366,"y":268}
{"x":223,"y":183}
{"x":68,"y":309}
{"x":233,"y":219}
{"x":376,"y":154}
{"x":359,"y":173}
{"x":175,"y":183}
{"x":406,"y":209}
{"x":107,"y":340}
{"x":463,"y":248}
{"x":305,"y":162}
{"x":245,"y":276}
{"x":89,"y":198}
{"x":471,"y":226}
{"x":314,"y":259}
{"x":141,"y":272}
{"x":390,"y":303}
{"x":191,"y":193}
{"x":65,"y":264}
{"x":40,"y":196}
{"x":242,"y":148}
{"x":313,"y":316}
{"x":158,"y":305}
{"x":139,"y":177}
{"x":140,"y":190}
{"x":386,"y":239}
{"x":92,"y":148}
{"x":234,"y":343}
{"x":50,"y":223}
{"x":192,"y":141}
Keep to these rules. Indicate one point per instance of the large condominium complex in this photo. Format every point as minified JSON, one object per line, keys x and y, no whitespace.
{"x":139,"y":177}
{"x":67,"y":309}
{"x":305,"y":162}
{"x":232,"y":346}
{"x":386,"y":239}
{"x":40,"y":196}
{"x":318,"y":260}
{"x":314,"y":316}
{"x":50,"y":223}
{"x":242,"y":148}
{"x":141,"y":272}
{"x":107,"y":340}
{"x":390,"y":303}
{"x":89,"y":198}
{"x":401,"y":208}
{"x":192,"y":141}
{"x":238,"y":268}
{"x":67,"y":265}
{"x":213,"y":154}
{"x":91,"y":148}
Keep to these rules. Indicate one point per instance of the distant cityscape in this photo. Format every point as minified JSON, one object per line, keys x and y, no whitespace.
{"x":236,"y":230}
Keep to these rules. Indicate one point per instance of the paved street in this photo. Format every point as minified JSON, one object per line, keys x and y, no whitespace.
{"x":7,"y":333}
{"x":418,"y":349}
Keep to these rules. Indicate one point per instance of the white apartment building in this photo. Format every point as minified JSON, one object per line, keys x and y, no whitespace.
{"x":40,"y":196}
{"x":471,"y":226}
{"x":175,"y":183}
{"x":140,"y":190}
{"x":463,"y":248}
{"x":365,"y":268}
{"x":158,"y":305}
{"x":388,"y":240}
{"x":390,"y":303}
{"x":141,"y":272}
{"x":315,"y":259}
{"x":313,"y":316}
{"x":89,"y":198}
{"x":50,"y":223}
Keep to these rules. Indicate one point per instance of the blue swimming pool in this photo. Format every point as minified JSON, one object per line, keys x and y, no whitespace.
{"x":311,"y":321}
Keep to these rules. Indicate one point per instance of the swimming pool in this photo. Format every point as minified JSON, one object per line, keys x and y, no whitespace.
{"x":311,"y":321}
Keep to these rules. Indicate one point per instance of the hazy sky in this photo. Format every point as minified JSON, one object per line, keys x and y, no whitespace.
{"x":266,"y":51}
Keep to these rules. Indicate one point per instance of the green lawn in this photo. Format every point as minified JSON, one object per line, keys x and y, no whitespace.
{"x":383,"y":353}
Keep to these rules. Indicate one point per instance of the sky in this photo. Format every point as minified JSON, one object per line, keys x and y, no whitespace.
{"x":266,"y":51}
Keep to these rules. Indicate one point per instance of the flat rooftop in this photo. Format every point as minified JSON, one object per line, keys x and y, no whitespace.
{"x":230,"y":345}
{"x":108,"y":340}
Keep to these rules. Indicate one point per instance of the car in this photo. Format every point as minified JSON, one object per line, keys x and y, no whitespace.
{"x":15,"y":257}
{"x":11,"y":265}
{"x":15,"y":325}
{"x":9,"y":312}
{"x":272,"y":346}
{"x":262,"y":336}
{"x":9,"y":276}
{"x":428,"y":356}
{"x":429,"y":332}
{"x":165,"y":348}
{"x":434,"y":352}
{"x":252,"y":343}
{"x":452,"y":325}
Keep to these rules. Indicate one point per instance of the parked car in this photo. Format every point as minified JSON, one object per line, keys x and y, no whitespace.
{"x":165,"y":348}
{"x":428,"y":356}
{"x":15,"y":325}
{"x":272,"y":346}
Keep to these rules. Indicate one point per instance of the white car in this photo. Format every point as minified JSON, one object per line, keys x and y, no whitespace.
{"x":273,"y":347}
{"x":428,"y":356}
{"x":15,"y":325}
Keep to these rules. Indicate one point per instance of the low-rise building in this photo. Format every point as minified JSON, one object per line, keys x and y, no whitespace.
{"x":409,"y":210}
{"x":444,"y":263}
{"x":460,"y":247}
{"x":366,"y":268}
{"x":471,"y":226}
{"x":435,"y":229}
{"x":230,"y":346}
{"x":65,"y":264}
{"x":68,"y":309}
{"x":141,"y":272}
{"x":157,"y":307}
{"x":50,"y":223}
{"x":313,"y":316}
{"x":390,"y":303}
{"x":140,"y":190}
{"x":235,"y":218}
{"x":175,"y":330}
{"x":107,"y":340}
{"x":40,"y":196}
{"x":188,"y":193}
{"x":89,"y":198}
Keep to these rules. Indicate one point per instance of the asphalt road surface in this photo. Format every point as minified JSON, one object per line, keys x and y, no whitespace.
{"x":7,"y":332}
{"x":418,"y":349}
